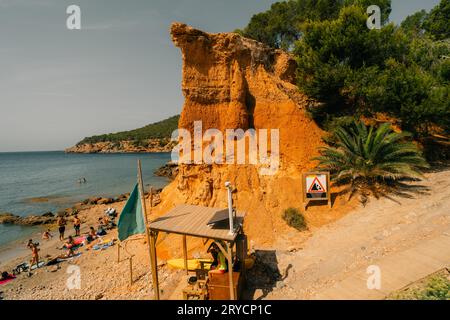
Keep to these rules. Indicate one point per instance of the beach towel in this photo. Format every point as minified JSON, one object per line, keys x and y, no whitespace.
{"x":193,"y":264}
{"x":41,"y":264}
{"x":79,"y":241}
{"x":69,"y":258}
{"x":5,"y":281}
{"x":103,"y":245}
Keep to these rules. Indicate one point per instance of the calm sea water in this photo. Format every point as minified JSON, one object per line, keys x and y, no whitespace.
{"x":25,"y":176}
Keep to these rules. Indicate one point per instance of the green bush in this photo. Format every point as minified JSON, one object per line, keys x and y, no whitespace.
{"x":295,"y":219}
{"x":436,"y":287}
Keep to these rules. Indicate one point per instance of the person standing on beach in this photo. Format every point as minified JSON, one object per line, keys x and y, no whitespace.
{"x":61,"y":227}
{"x":76,"y":225}
{"x":34,"y":252}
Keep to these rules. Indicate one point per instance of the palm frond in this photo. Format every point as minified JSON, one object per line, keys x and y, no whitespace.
{"x":365,"y":155}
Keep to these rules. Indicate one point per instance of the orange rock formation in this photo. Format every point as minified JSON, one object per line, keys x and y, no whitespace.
{"x":232,"y":82}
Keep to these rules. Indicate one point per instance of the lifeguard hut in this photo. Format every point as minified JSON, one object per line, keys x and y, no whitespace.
{"x":217,"y":224}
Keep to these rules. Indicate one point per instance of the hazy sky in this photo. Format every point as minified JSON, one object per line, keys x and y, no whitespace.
{"x":119,"y":72}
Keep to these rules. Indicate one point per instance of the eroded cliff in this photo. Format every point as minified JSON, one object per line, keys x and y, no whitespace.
{"x":232,"y":82}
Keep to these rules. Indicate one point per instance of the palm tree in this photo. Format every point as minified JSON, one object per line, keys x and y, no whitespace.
{"x":369,"y":158}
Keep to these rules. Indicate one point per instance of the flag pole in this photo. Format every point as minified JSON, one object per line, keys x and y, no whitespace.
{"x":144,"y":209}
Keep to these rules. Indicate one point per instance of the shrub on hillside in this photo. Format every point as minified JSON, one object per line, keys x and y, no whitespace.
{"x":295,"y":219}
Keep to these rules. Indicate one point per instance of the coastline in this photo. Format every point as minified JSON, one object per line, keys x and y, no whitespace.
{"x":13,"y":250}
{"x":102,"y":275}
{"x":35,"y":184}
{"x":152,"y":146}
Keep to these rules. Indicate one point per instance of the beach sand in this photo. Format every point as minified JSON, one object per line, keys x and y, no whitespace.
{"x":102,"y":277}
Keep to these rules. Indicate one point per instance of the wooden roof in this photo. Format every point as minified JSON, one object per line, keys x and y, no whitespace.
{"x":193,"y":221}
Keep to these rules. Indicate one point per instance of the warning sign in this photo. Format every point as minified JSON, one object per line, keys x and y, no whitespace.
{"x":315,"y":186}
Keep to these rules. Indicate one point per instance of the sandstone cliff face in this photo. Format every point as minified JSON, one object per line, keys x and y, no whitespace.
{"x":232,"y":82}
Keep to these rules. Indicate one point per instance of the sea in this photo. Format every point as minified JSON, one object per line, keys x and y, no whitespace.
{"x":39,"y":182}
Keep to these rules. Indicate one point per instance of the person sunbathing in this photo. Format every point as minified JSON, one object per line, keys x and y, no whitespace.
{"x":92,"y":235}
{"x":101,"y":228}
{"x":106,"y":223}
{"x":69,"y":245}
{"x":6,"y":276}
{"x":47,"y":235}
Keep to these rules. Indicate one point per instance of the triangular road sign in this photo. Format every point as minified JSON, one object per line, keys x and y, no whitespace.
{"x":316,"y":187}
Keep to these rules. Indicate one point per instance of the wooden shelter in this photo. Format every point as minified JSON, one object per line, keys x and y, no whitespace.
{"x":201,"y":222}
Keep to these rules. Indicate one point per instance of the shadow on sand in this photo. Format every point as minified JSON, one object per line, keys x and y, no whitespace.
{"x":264,"y":276}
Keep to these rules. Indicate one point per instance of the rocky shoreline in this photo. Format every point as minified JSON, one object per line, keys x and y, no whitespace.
{"x":150,"y":145}
{"x":49,"y":218}
{"x":169,"y":170}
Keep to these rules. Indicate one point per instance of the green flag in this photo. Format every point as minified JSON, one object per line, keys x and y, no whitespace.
{"x":131,"y":220}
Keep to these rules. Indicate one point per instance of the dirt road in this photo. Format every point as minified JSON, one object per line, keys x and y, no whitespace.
{"x":383,"y":228}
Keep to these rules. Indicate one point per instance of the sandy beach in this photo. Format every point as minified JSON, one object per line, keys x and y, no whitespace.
{"x":102,"y":276}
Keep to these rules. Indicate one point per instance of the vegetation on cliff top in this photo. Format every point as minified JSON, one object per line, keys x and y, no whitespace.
{"x":400,"y":72}
{"x":159,"y":130}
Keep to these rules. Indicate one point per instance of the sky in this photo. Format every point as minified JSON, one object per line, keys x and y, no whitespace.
{"x":119,"y":72}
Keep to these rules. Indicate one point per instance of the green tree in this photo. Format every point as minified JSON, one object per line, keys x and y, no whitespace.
{"x":281,"y":25}
{"x":369,"y":158}
{"x":414,"y":23}
{"x":332,"y":51}
{"x":354,"y":70}
{"x":385,"y":6}
{"x":437,"y":22}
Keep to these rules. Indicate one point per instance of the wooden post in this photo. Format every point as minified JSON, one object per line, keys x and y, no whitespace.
{"x":144,"y":211}
{"x":154,"y":265}
{"x":185,"y":254}
{"x":329,"y":190}
{"x":230,"y":271}
{"x":131,"y":270}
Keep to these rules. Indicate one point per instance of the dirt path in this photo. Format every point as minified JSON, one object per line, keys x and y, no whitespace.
{"x":382,"y":229}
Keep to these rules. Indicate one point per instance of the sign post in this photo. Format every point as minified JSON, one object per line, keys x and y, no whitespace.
{"x":315,"y":187}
